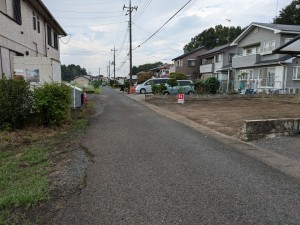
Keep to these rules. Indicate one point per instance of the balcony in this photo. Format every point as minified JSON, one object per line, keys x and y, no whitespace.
{"x":208,"y":68}
{"x":241,"y":61}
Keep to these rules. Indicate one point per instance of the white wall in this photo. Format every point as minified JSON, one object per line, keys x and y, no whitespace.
{"x":49,"y":70}
{"x":23,"y":39}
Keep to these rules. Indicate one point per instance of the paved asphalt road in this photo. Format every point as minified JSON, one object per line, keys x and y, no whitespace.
{"x":152,"y":170}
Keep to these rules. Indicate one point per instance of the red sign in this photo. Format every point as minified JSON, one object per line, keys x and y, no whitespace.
{"x":180,"y":98}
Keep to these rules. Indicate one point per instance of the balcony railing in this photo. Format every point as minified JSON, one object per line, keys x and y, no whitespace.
{"x":240,"y":61}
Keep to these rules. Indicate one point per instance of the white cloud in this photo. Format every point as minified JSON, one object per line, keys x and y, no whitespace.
{"x":96,"y":27}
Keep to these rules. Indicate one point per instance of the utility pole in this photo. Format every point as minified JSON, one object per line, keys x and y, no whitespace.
{"x":114,"y":50}
{"x":130,"y":9}
{"x":99,"y":72}
{"x":228,"y":29}
{"x":109,"y":70}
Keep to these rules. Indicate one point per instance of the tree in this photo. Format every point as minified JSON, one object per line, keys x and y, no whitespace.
{"x":69,"y":72}
{"x":213,"y":37}
{"x":145,"y":67}
{"x":178,"y":76}
{"x":143,"y":76}
{"x":290,"y":14}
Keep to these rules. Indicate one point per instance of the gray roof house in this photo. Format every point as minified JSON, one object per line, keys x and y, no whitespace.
{"x":217,"y":63}
{"x":188,"y":63}
{"x":255,"y":64}
{"x":292,"y":48}
{"x":29,"y":40}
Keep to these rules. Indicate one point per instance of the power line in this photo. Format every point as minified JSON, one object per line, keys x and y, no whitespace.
{"x":163,"y":25}
{"x":102,"y":3}
{"x":84,"y":12}
{"x":92,"y":25}
{"x":144,"y":7}
{"x":83,"y":18}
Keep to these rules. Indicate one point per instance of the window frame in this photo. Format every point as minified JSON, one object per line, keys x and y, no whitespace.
{"x":55,"y":40}
{"x":4,"y":9}
{"x":268,"y":46}
{"x":191,"y":62}
{"x":17,"y":14}
{"x":296,"y":72}
{"x":267,"y":78}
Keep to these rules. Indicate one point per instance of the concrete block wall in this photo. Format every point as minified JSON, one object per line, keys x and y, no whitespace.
{"x":257,"y":129}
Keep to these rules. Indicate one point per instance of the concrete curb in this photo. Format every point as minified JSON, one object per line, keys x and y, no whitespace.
{"x":283,"y":163}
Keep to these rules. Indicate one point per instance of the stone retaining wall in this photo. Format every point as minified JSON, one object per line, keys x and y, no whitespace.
{"x":256,"y":129}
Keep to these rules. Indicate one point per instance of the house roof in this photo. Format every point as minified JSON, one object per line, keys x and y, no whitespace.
{"x":42,"y":9}
{"x":292,"y":47}
{"x":189,"y":53}
{"x":215,"y":51}
{"x":277,"y":28}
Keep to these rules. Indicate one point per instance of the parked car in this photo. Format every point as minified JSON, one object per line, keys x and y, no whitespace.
{"x":145,"y":87}
{"x":184,"y":86}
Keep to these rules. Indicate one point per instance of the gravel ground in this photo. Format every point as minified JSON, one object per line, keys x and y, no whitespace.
{"x":286,"y":146}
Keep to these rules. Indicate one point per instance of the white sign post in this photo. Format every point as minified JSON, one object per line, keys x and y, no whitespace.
{"x":180,"y":98}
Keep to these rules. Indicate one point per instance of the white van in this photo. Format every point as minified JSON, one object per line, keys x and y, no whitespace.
{"x":145,"y":87}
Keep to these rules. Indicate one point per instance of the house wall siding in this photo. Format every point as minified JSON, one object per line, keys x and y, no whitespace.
{"x":190,"y":70}
{"x":290,"y":83}
{"x":23,"y":39}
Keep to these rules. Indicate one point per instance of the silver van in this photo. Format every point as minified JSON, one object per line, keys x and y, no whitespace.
{"x":145,"y":87}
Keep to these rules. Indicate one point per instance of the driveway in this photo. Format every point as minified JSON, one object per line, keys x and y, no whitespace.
{"x":149,"y":169}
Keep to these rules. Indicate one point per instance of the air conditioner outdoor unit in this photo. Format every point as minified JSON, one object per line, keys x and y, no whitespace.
{"x":294,"y":90}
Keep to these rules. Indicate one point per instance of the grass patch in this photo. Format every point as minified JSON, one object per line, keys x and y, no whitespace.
{"x":23,"y":178}
{"x":98,"y":90}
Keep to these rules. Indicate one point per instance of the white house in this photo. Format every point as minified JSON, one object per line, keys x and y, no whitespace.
{"x":256,"y":65}
{"x":29,"y":41}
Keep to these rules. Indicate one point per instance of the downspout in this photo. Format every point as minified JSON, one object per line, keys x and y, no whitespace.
{"x":284,"y":76}
{"x":46,"y":50}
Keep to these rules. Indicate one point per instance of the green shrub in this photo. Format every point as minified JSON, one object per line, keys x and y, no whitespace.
{"x":52,"y":103}
{"x":143,"y":76}
{"x":158,"y":89}
{"x":16,"y":102}
{"x":172,"y":82}
{"x":212,"y":84}
{"x":178,"y":76}
{"x":200,"y":87}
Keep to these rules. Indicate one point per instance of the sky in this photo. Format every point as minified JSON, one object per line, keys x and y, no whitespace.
{"x":96,"y":27}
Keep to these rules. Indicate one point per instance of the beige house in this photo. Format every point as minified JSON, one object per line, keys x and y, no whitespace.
{"x":29,"y":41}
{"x":82,"y":81}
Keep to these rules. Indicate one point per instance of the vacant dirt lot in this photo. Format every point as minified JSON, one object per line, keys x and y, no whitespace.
{"x":227,"y":113}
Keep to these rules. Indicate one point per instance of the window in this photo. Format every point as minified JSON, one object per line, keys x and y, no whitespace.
{"x":251,"y":50}
{"x":3,"y":6}
{"x":231,"y":55}
{"x":34,"y":21}
{"x":17,"y":11}
{"x":286,"y":40}
{"x":267,"y":77}
{"x":218,"y":58}
{"x":255,"y":30}
{"x":55,"y":38}
{"x":38,"y":24}
{"x":49,"y":35}
{"x":296,"y":73}
{"x":208,"y":61}
{"x":191,"y":62}
{"x":268,"y":46}
{"x":246,"y":75}
{"x":179,"y":63}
